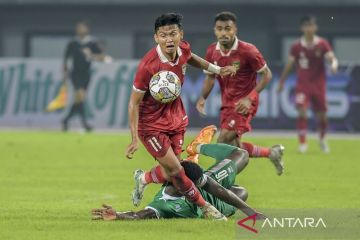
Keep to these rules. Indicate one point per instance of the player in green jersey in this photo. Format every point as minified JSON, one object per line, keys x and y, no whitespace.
{"x":216,"y":185}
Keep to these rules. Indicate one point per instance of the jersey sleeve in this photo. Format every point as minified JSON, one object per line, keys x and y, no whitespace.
{"x":142,"y":78}
{"x":326,"y":46}
{"x":256,"y":60}
{"x":186,"y":48}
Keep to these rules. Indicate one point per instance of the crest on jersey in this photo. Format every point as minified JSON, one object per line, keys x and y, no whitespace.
{"x":184,"y":69}
{"x":231,"y":123}
{"x":236,"y":64}
{"x":317,"y":52}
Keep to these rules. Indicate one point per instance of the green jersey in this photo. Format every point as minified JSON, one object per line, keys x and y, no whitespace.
{"x":166,"y":206}
{"x":224,"y":172}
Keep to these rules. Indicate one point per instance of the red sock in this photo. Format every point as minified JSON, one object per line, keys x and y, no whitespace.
{"x":184,"y":185}
{"x":255,"y":151}
{"x":301,"y":125}
{"x":154,"y":175}
{"x":322,"y":125}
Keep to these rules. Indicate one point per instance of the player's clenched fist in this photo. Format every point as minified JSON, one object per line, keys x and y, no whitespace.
{"x":131,"y":149}
{"x":243,"y":106}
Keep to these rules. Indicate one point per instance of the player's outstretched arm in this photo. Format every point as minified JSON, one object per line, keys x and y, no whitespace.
{"x":108,"y":213}
{"x":206,"y":89}
{"x":214,"y":188}
{"x":285,"y":73}
{"x":133,"y":110}
{"x":199,"y":62}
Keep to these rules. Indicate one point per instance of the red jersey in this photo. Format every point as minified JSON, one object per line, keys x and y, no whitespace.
{"x":154,"y":115}
{"x":310,"y":62}
{"x":249,"y":61}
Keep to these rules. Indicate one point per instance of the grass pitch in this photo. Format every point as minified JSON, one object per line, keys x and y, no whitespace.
{"x":49,"y":181}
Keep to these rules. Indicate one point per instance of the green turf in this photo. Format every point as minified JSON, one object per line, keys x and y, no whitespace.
{"x":49,"y":181}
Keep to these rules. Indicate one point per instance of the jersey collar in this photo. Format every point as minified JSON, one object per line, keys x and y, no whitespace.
{"x":234,"y":47}
{"x":311,"y":45}
{"x":167,"y":197}
{"x":163,"y":59}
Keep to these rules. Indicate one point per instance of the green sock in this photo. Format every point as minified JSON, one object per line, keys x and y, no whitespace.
{"x":219,"y":151}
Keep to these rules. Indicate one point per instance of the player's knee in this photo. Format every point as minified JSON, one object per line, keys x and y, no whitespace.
{"x":321,"y":117}
{"x":302,"y":113}
{"x":220,"y":139}
{"x":240,"y":155}
{"x":173,"y":170}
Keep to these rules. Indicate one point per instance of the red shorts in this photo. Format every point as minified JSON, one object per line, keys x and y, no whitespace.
{"x":234,"y":121}
{"x":317,"y":99}
{"x":158,"y":143}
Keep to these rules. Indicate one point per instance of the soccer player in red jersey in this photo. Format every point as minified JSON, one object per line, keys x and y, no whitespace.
{"x":309,"y":54}
{"x":161,"y":127}
{"x":239,"y":92}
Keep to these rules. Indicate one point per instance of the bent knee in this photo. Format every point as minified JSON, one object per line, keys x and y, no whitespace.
{"x":241,"y":154}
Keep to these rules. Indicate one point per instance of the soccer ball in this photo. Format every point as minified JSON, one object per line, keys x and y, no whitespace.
{"x":165,"y":86}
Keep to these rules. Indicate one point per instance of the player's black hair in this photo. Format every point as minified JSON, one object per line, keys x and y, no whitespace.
{"x":168,"y":19}
{"x":307,"y":19}
{"x":192,"y":170}
{"x":225,"y":16}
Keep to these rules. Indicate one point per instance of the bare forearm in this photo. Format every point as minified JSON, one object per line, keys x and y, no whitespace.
{"x":207,"y":87}
{"x":266,"y":76}
{"x":133,"y":111}
{"x":285,"y":73}
{"x":198,"y":62}
{"x":141,"y":215}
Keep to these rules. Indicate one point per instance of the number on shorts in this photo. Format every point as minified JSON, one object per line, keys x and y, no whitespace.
{"x":155,"y":144}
